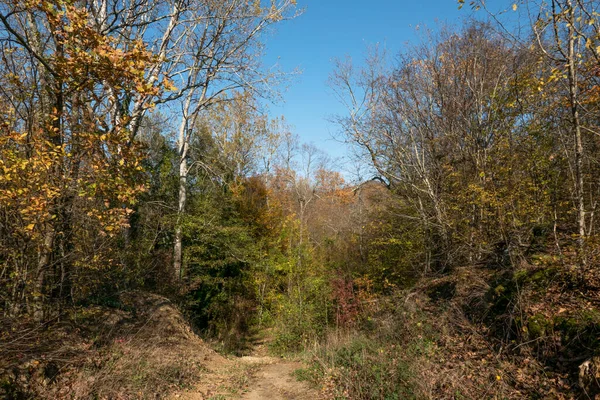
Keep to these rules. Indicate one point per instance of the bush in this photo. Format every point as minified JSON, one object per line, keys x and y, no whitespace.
{"x":301,"y":319}
{"x":362,"y":368}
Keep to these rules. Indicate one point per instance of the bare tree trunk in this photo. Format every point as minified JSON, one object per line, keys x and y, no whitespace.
{"x":573,"y":97}
{"x":183,"y":146}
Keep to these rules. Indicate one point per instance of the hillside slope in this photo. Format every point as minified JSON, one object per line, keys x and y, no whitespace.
{"x":141,"y":347}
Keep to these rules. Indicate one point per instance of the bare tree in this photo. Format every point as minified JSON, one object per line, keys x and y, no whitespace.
{"x":436,"y":111}
{"x":221,"y":55}
{"x":567,"y":34}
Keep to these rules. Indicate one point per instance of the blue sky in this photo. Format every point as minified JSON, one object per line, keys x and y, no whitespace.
{"x":331,"y":29}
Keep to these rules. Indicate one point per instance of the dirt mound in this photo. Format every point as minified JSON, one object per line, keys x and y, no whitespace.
{"x":142,"y":348}
{"x":528,"y":331}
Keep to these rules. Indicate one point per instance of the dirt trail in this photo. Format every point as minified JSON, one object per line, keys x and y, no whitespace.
{"x":274,"y":380}
{"x":253,"y":377}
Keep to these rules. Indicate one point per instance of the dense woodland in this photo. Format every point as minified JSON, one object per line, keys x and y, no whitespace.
{"x":137,"y":156}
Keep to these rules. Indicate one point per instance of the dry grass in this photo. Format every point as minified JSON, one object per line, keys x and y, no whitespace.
{"x":144,"y":349}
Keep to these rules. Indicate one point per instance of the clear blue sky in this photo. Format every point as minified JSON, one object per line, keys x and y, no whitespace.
{"x":331,"y":29}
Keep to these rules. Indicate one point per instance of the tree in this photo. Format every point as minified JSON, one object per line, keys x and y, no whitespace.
{"x":221,"y":55}
{"x":69,"y":170}
{"x":201,"y":51}
{"x":434,"y":128}
{"x":566,"y":35}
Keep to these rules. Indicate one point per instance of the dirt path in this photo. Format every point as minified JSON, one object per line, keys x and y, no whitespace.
{"x":274,"y":380}
{"x":254,"y":377}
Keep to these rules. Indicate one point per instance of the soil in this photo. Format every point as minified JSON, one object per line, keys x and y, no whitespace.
{"x":274,"y":380}
{"x":253,"y":377}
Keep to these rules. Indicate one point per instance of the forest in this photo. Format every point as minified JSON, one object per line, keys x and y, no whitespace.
{"x":158,"y":224}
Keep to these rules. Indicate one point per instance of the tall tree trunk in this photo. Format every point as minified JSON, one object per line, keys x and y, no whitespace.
{"x":183,"y":173}
{"x":574,"y":102}
{"x":183,"y":144}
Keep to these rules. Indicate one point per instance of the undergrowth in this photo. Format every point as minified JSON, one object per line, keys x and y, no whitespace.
{"x":361,"y":368}
{"x":474,"y":333}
